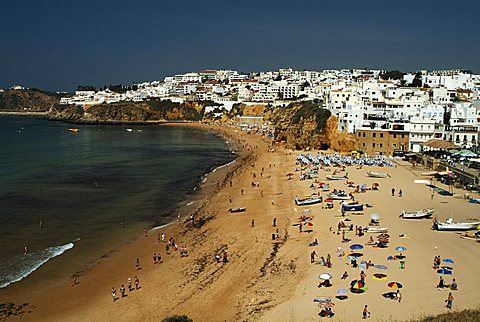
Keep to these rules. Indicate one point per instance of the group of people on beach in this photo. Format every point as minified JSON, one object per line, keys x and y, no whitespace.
{"x":130,"y":288}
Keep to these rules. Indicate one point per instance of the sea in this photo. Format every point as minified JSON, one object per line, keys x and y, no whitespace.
{"x":69,"y":199}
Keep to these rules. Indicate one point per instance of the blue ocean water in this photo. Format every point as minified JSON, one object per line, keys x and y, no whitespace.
{"x":84,"y":194}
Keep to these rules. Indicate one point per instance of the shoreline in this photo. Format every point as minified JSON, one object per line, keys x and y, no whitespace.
{"x":200,"y":193}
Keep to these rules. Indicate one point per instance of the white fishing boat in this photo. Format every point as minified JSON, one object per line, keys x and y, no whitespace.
{"x":332,"y":177}
{"x":419,"y":214}
{"x":375,"y":229}
{"x":378,"y":174}
{"x":449,"y":225}
{"x":334,"y":196}
{"x":308,"y":201}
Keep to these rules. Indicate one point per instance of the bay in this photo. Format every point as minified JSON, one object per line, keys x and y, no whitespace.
{"x":84,"y":194}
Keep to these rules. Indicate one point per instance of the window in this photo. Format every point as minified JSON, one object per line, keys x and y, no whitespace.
{"x":403,"y":136}
{"x":394,"y":136}
{"x":373,"y":145}
{"x":374,"y":135}
{"x":359,"y":134}
{"x":381,"y":145}
{"x":364,"y":144}
{"x":381,"y":135}
{"x":363,"y":134}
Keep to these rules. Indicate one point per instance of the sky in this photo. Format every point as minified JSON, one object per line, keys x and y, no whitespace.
{"x":59,"y":44}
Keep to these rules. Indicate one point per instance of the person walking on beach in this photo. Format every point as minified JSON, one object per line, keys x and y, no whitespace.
{"x":449,"y":301}
{"x":253,"y":222}
{"x":155,"y":261}
{"x":398,"y":296}
{"x":312,"y":257}
{"x":137,"y":282}
{"x":129,"y":284}
{"x":366,"y":313}
{"x":393,"y":192}
{"x":114,"y":294}
{"x":145,"y":232}
{"x":400,"y":192}
{"x":274,"y":222}
{"x":122,"y":291}
{"x":137,"y":264}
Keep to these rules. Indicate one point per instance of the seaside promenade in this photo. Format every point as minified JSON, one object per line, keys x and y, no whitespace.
{"x":274,"y":280}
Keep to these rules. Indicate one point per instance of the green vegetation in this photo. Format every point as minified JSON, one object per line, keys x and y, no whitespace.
{"x":309,"y":109}
{"x":177,"y":318}
{"x":393,"y":74}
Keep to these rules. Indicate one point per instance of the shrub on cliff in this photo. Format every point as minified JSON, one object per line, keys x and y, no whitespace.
{"x":177,"y":318}
{"x":309,"y":109}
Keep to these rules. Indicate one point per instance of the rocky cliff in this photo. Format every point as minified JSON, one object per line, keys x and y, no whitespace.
{"x":27,"y":100}
{"x":301,"y":125}
{"x":150,"y":111}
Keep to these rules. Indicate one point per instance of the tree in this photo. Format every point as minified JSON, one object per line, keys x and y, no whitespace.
{"x":393,"y":74}
{"x":417,"y":81}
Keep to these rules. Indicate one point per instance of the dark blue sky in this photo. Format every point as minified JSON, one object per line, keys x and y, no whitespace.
{"x":59,"y":44}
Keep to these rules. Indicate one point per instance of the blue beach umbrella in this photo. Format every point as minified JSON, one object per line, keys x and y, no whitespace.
{"x":382,"y":267}
{"x":356,"y":246}
{"x":342,"y":291}
{"x":401,"y":248}
{"x":448,"y":260}
{"x":444,"y":271}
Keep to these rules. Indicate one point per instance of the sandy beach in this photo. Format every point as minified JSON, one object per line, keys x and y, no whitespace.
{"x":265,"y":279}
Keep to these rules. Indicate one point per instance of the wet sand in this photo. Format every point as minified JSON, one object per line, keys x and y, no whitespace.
{"x":265,"y":279}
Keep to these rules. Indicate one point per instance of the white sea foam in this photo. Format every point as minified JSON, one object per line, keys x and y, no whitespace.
{"x":19,"y":267}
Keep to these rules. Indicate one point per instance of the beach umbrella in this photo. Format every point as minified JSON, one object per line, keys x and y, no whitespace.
{"x":382,"y":267}
{"x":444,"y":271}
{"x":309,"y":224}
{"x":383,"y":235}
{"x":356,"y":254}
{"x":401,"y":248}
{"x":447,"y":268}
{"x":342,"y":291}
{"x":395,"y":285}
{"x":341,"y":297}
{"x":357,"y":284}
{"x":325,"y":276}
{"x":289,"y":174}
{"x":448,"y":260}
{"x":400,"y":256}
{"x":375,"y":217}
{"x":356,"y":246}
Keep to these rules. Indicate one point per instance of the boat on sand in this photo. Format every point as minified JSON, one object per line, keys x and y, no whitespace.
{"x":332,"y":177}
{"x":419,"y":214}
{"x":338,"y":196}
{"x":233,"y":210}
{"x":449,"y":225}
{"x":308,"y":201}
{"x":377,"y":174}
{"x":352,"y":207}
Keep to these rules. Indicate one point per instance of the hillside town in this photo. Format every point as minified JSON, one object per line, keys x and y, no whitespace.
{"x":388,"y":112}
